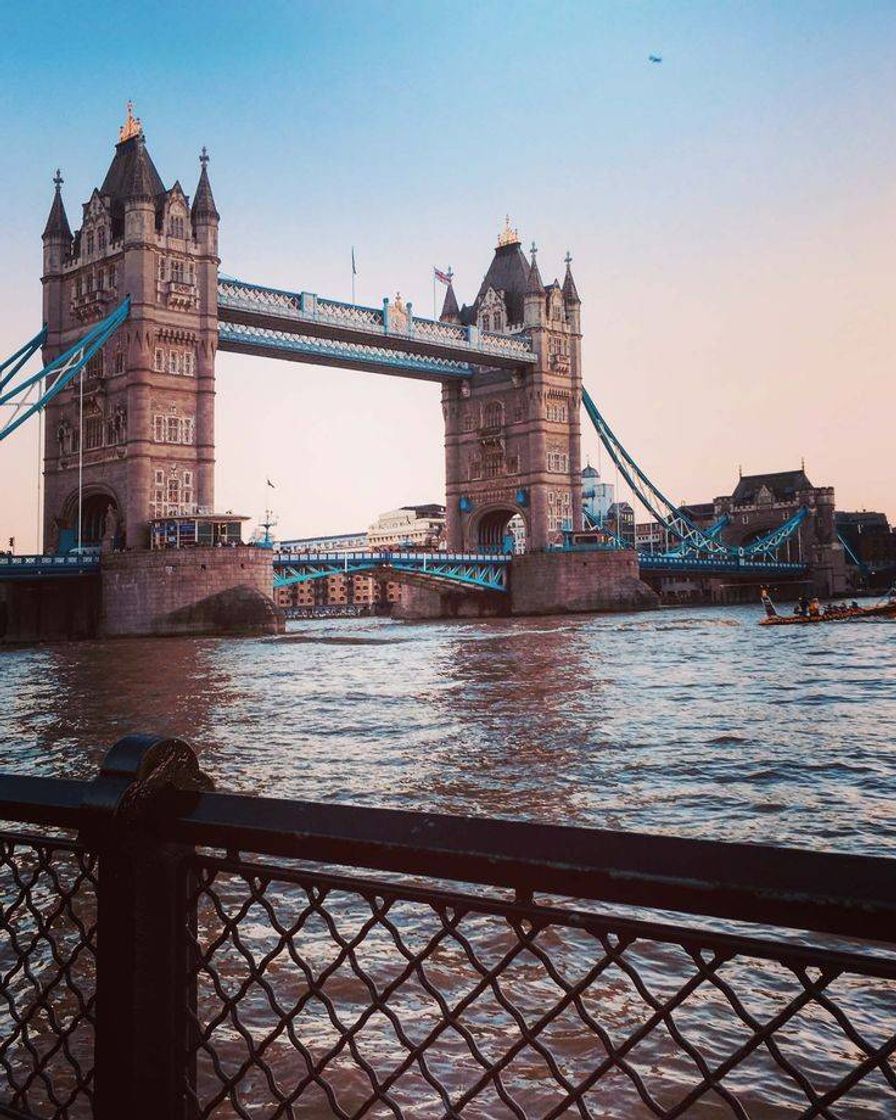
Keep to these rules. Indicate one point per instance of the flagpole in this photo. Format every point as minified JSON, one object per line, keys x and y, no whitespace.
{"x":353,"y":276}
{"x":433,"y":293}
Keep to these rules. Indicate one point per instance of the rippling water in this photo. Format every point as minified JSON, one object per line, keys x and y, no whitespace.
{"x":696,"y":722}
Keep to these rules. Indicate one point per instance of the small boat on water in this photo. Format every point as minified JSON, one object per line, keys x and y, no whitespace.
{"x":809,"y":612}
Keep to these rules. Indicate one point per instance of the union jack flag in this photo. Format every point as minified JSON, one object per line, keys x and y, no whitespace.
{"x":445,"y":277}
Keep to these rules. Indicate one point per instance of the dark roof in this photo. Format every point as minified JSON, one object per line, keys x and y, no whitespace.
{"x":431,"y":509}
{"x":132,"y":174}
{"x":865,"y":518}
{"x":569,"y":287}
{"x":204,"y":202}
{"x":784,"y":485}
{"x":450,"y":310}
{"x":699,"y":510}
{"x":57,"y":222}
{"x":590,"y":472}
{"x":534,"y":286}
{"x":508,"y":273}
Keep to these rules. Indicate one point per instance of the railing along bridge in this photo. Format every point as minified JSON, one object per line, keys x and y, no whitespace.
{"x":171,"y":951}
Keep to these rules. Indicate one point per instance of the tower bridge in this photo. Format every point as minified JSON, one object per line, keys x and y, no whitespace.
{"x":136,"y":310}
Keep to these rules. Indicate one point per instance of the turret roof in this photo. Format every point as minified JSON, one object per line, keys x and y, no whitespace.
{"x":570,"y":294}
{"x":57,"y":222}
{"x":204,"y":201}
{"x":508,"y":273}
{"x":534,"y":286}
{"x":132,"y":174}
{"x":450,"y":310}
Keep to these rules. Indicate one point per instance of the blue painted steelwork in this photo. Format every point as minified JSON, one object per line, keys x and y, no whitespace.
{"x":21,"y":356}
{"x":392,"y":327}
{"x":706,"y":565}
{"x":30,"y":567}
{"x":694,"y":541}
{"x":61,"y":371}
{"x":714,"y":531}
{"x":480,"y":570}
{"x":860,"y":564}
{"x":324,"y":351}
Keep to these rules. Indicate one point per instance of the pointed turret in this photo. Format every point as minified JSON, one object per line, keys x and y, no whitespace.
{"x":570,"y":295}
{"x":450,"y":310}
{"x":535,"y":286}
{"x":204,"y":201}
{"x":57,"y":223}
{"x":533,"y":300}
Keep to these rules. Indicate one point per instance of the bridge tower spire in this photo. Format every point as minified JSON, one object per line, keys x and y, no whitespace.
{"x":513,"y":439}
{"x":145,"y":434}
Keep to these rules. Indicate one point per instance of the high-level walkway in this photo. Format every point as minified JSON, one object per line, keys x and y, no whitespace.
{"x":304,"y":327}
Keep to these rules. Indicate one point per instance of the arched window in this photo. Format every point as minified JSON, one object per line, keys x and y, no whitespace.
{"x":494,"y":414}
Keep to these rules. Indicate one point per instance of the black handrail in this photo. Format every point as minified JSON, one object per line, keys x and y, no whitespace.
{"x":827,"y":892}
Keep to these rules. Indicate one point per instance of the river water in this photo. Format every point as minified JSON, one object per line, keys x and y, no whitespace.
{"x":697,"y":722}
{"x":692,"y":722}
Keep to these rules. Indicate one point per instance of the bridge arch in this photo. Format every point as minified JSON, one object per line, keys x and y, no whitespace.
{"x":491,"y":529}
{"x":96,"y":501}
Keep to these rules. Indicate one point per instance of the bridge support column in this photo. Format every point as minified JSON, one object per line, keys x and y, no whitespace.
{"x":190,"y":591}
{"x":419,"y":603}
{"x":578,"y":582}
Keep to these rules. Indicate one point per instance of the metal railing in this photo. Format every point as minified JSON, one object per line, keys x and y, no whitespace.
{"x":195,"y":955}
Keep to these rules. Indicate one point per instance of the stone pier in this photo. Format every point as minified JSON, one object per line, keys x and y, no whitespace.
{"x":189,"y":591}
{"x":578,"y":582}
{"x":541,"y":583}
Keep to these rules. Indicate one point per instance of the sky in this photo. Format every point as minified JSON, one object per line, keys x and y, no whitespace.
{"x":731,"y":213}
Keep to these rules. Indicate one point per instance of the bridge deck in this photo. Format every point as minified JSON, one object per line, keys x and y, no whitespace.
{"x":301,"y":326}
{"x":481,"y":571}
{"x":32,"y":567}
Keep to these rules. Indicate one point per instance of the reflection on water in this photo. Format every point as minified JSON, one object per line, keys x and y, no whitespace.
{"x":698,"y":722}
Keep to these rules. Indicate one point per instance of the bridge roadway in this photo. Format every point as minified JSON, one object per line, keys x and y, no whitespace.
{"x":475,"y":570}
{"x":303,"y":327}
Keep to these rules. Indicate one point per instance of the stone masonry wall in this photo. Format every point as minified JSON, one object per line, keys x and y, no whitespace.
{"x":189,"y":591}
{"x":567,"y":582}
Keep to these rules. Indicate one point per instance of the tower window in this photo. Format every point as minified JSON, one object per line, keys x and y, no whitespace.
{"x":101,"y":240}
{"x":90,"y":242}
{"x":94,"y":432}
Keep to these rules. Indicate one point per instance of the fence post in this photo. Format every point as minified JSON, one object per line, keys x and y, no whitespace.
{"x":143,"y":947}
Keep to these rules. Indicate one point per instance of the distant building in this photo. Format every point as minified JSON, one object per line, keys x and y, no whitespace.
{"x":516,"y":527}
{"x":335,"y":542}
{"x":597,"y":496}
{"x":410,"y":527}
{"x":651,"y":536}
{"x":870,"y":544}
{"x":620,"y":520}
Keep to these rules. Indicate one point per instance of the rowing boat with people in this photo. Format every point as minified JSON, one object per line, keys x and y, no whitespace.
{"x":809,"y":612}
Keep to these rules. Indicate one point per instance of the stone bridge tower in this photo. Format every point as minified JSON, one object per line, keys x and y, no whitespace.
{"x":513,"y":439}
{"x":147,"y":424}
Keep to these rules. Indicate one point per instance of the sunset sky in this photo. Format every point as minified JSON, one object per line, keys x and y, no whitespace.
{"x":731,"y":213}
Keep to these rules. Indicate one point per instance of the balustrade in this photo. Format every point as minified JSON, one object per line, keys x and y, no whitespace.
{"x":192,"y":954}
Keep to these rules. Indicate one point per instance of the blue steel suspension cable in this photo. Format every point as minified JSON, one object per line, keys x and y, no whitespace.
{"x":22,"y":354}
{"x":66,"y":366}
{"x":671,"y":516}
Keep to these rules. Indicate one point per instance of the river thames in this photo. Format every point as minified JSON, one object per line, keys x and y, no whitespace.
{"x":697,"y":722}
{"x":694,"y":722}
